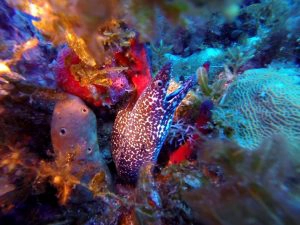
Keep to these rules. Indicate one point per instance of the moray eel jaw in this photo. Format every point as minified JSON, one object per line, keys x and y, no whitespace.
{"x":140,"y":131}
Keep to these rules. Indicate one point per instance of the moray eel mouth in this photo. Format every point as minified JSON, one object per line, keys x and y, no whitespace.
{"x":173,"y":99}
{"x":161,"y":84}
{"x":177,"y":92}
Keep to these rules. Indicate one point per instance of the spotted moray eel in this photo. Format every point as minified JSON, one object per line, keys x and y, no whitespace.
{"x":139,"y":131}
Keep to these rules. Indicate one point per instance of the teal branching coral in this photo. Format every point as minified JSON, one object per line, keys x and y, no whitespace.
{"x":158,"y":52}
{"x":237,"y":56}
{"x":262,"y":103}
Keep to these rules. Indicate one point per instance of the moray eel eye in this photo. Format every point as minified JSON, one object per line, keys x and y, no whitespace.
{"x":159,"y":83}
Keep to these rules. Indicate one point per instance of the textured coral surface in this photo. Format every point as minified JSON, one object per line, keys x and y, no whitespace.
{"x":262,"y":103}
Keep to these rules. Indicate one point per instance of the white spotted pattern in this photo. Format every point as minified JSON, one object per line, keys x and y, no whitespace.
{"x":139,"y":132}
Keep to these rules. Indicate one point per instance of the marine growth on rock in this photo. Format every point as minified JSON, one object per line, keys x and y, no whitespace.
{"x":150,"y":112}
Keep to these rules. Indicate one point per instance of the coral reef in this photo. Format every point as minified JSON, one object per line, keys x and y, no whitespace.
{"x":185,"y":66}
{"x":90,"y":135}
{"x":66,"y":78}
{"x":77,"y":27}
{"x":238,"y":56}
{"x":23,"y":49}
{"x":250,"y":187}
{"x":262,"y":103}
{"x":158,"y":53}
{"x":136,"y":59}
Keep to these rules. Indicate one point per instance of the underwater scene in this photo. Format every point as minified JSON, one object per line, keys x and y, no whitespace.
{"x":150,"y":112}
